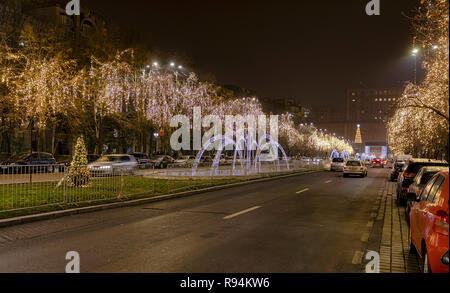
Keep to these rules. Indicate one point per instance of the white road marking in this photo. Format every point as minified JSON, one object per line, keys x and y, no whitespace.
{"x":301,"y":191}
{"x":329,"y":181}
{"x":357,"y":258}
{"x":241,"y":213}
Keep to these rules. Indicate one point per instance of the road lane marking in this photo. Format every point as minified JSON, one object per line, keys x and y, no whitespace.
{"x":241,"y":213}
{"x":301,"y":191}
{"x":329,"y":181}
{"x":357,"y":258}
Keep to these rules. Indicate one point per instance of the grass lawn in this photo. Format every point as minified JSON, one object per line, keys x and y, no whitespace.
{"x":31,"y":198}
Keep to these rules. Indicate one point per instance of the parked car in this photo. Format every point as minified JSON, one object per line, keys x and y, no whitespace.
{"x":142,"y":159}
{"x":355,"y":167}
{"x":405,"y":179}
{"x":429,"y":219}
{"x":337,"y":164}
{"x":26,"y":163}
{"x":113,"y":165}
{"x":185,"y":161}
{"x":397,"y":169}
{"x":419,"y":182}
{"x":162,"y":161}
{"x":90,"y":158}
{"x":377,"y":163}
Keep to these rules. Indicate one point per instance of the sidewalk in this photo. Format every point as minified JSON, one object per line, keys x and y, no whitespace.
{"x":389,"y":234}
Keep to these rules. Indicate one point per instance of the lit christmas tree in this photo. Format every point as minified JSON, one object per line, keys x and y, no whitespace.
{"x":78,"y":172}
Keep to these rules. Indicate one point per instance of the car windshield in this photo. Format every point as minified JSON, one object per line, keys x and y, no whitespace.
{"x":107,"y":159}
{"x":415,"y":167}
{"x":353,"y":163}
{"x":338,"y":160}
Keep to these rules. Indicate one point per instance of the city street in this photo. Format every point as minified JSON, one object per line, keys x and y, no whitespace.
{"x":309,"y":223}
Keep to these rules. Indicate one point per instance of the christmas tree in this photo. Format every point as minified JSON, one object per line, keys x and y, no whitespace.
{"x":79,"y":173}
{"x":358,"y":138}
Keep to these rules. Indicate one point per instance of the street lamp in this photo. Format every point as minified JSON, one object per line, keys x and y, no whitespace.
{"x":172,"y":64}
{"x":415,"y":51}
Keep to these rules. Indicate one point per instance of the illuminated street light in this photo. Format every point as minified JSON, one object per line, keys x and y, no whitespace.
{"x":172,"y":64}
{"x":435,"y":47}
{"x":180,"y":67}
{"x":415,"y":52}
{"x":155,"y":64}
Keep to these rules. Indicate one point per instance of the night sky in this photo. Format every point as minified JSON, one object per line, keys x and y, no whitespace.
{"x":308,"y":50}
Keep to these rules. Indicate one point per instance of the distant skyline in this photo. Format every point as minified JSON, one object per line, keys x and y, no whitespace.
{"x":311,"y":51}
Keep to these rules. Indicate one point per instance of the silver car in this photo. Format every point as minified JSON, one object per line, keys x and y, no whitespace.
{"x":354,"y":167}
{"x":113,"y":165}
{"x":337,"y":164}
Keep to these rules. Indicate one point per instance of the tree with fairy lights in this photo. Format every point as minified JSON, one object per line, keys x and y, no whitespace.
{"x":79,"y":174}
{"x":420,"y":125}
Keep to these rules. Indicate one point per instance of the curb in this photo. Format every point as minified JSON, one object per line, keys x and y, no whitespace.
{"x":85,"y":210}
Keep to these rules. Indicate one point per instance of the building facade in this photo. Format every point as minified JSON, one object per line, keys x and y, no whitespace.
{"x":368,"y":108}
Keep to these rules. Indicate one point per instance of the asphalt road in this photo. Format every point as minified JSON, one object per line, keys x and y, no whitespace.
{"x":304,"y":224}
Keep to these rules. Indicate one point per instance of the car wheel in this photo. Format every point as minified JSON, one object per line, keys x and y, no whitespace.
{"x":426,"y":263}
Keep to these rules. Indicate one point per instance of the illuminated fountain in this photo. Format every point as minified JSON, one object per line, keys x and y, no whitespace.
{"x":247,"y":153}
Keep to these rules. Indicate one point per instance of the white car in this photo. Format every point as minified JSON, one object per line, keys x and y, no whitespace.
{"x":113,"y":165}
{"x":337,"y":164}
{"x":355,"y":167}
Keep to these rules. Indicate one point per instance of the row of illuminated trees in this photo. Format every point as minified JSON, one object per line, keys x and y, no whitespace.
{"x":420,"y":125}
{"x":113,"y":100}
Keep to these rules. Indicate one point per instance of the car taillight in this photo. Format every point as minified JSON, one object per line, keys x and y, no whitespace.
{"x":409,"y":174}
{"x":441,"y":224}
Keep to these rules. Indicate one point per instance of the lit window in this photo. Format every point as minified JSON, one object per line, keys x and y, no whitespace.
{"x":385,"y":99}
{"x":376,"y":100}
{"x":390,"y":100}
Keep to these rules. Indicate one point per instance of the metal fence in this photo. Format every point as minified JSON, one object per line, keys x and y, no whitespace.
{"x":26,"y":187}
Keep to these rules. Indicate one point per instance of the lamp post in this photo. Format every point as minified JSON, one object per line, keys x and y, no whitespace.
{"x":415,"y":51}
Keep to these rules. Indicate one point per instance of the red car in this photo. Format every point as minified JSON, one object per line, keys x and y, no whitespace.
{"x":377,"y":163}
{"x":429,"y":219}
